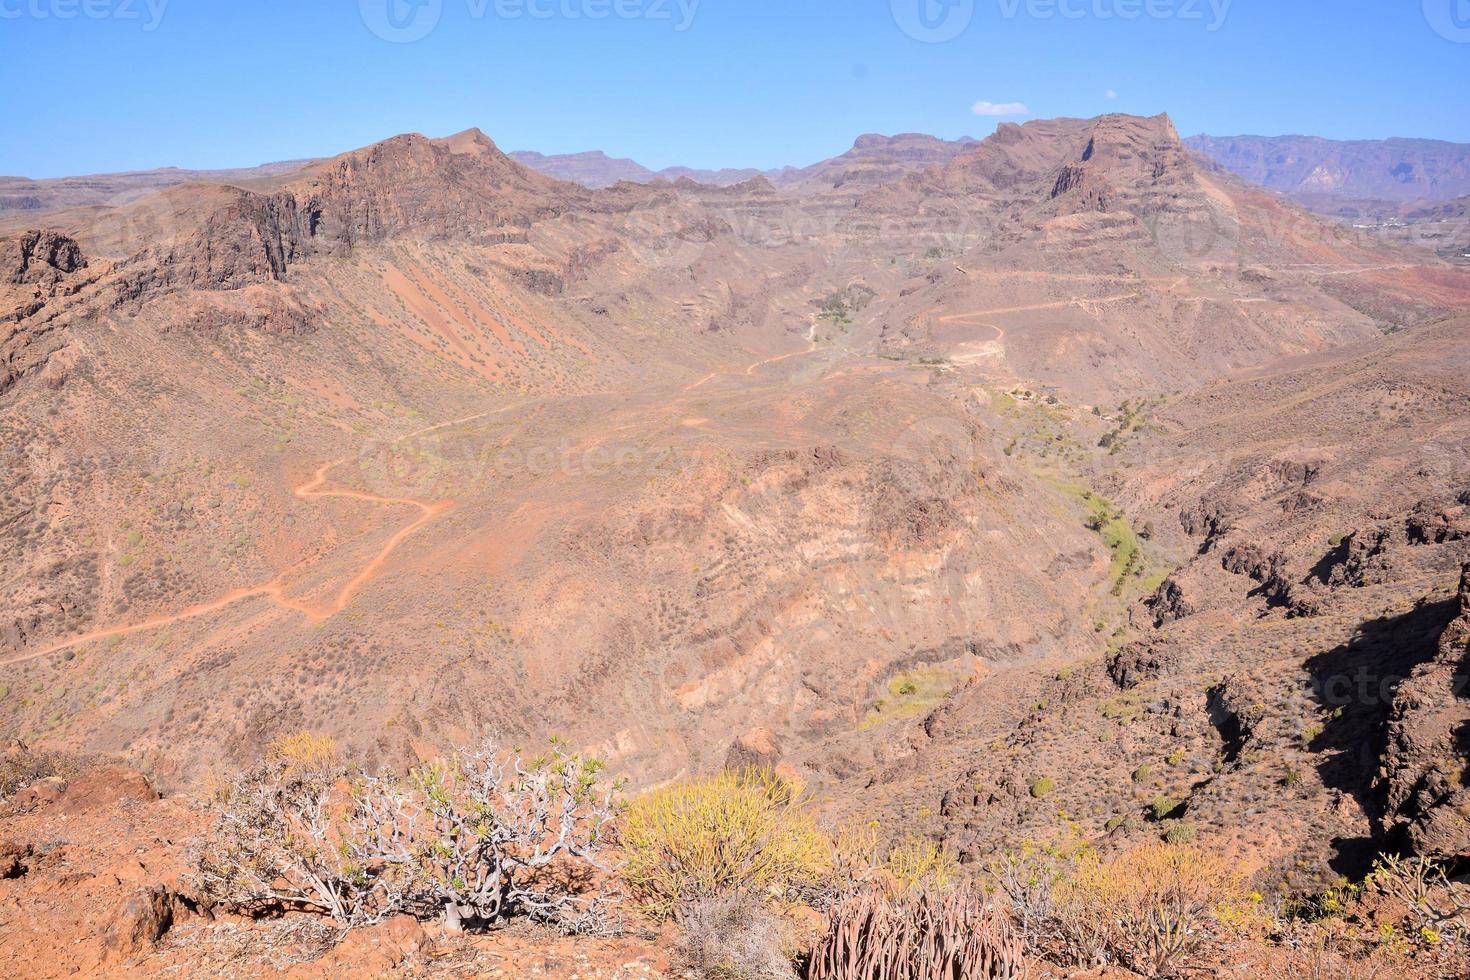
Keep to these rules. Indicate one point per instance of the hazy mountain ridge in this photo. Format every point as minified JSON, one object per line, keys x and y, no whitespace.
{"x":1310,"y":167}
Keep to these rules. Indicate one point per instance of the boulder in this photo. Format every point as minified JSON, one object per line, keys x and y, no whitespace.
{"x":106,"y":786}
{"x":14,"y":859}
{"x":756,"y":749}
{"x":141,"y":921}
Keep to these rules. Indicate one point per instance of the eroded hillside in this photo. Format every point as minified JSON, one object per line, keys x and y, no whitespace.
{"x":415,"y":441}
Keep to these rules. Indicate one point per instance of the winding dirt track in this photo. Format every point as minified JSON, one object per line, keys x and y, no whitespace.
{"x":275,"y":590}
{"x":752,"y":369}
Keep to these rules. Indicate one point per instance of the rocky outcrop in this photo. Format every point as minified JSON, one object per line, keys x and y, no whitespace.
{"x":14,"y":859}
{"x":1210,"y":518}
{"x":756,"y":749}
{"x":1430,"y":524}
{"x":1168,"y":604}
{"x":36,"y":267}
{"x":1138,"y":663}
{"x":39,"y":256}
{"x":106,"y":786}
{"x":1130,"y":164}
{"x":1360,"y":559}
{"x":1268,"y":569}
{"x":1428,"y":749}
{"x":461,"y":188}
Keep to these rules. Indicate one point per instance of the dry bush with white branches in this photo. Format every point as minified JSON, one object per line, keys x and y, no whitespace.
{"x":478,"y":839}
{"x":506,"y":838}
{"x":1434,"y":901}
{"x":288,"y":838}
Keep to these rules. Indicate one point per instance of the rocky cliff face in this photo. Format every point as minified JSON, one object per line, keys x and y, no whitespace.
{"x":36,"y":268}
{"x":1428,"y":752}
{"x":39,"y":257}
{"x":461,"y":188}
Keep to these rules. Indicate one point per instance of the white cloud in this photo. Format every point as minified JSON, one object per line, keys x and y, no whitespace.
{"x":1110,"y":94}
{"x":999,"y":109}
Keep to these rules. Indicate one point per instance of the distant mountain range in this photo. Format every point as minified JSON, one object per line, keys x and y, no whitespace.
{"x":597,"y":170}
{"x":1310,"y":169}
{"x":22,"y":194}
{"x":1394,"y":180}
{"x":872,"y":159}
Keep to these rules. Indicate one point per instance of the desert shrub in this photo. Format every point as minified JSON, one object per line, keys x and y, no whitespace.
{"x":20,"y":767}
{"x":1028,"y":877}
{"x":503,"y":836}
{"x":854,"y":862}
{"x":285,"y":839}
{"x":734,"y":936}
{"x":305,"y":752}
{"x":1163,"y":807}
{"x":1179,"y":833}
{"x":1147,"y":909}
{"x":913,"y":863}
{"x":917,"y":935}
{"x":1437,"y":905}
{"x":858,"y":860}
{"x":751,"y":831}
{"x":1043,"y":787}
{"x":477,"y":839}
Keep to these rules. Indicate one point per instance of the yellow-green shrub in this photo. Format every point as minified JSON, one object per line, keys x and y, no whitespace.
{"x":916,"y":862}
{"x":305,"y":752}
{"x":750,"y":830}
{"x":1147,"y":908}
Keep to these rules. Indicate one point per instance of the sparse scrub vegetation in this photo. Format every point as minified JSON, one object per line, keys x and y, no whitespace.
{"x":1148,"y":909}
{"x":840,"y":307}
{"x":23,"y":767}
{"x":910,"y":694}
{"x":477,"y":839}
{"x":1437,"y":904}
{"x":735,"y":936}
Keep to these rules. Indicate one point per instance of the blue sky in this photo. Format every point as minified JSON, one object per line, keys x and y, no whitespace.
{"x":102,"y":85}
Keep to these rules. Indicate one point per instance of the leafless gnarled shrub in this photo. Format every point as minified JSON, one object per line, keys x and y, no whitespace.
{"x":501,"y":838}
{"x":479,"y":838}
{"x":918,"y":935}
{"x":1436,"y":902}
{"x":1028,"y":877}
{"x":289,"y":838}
